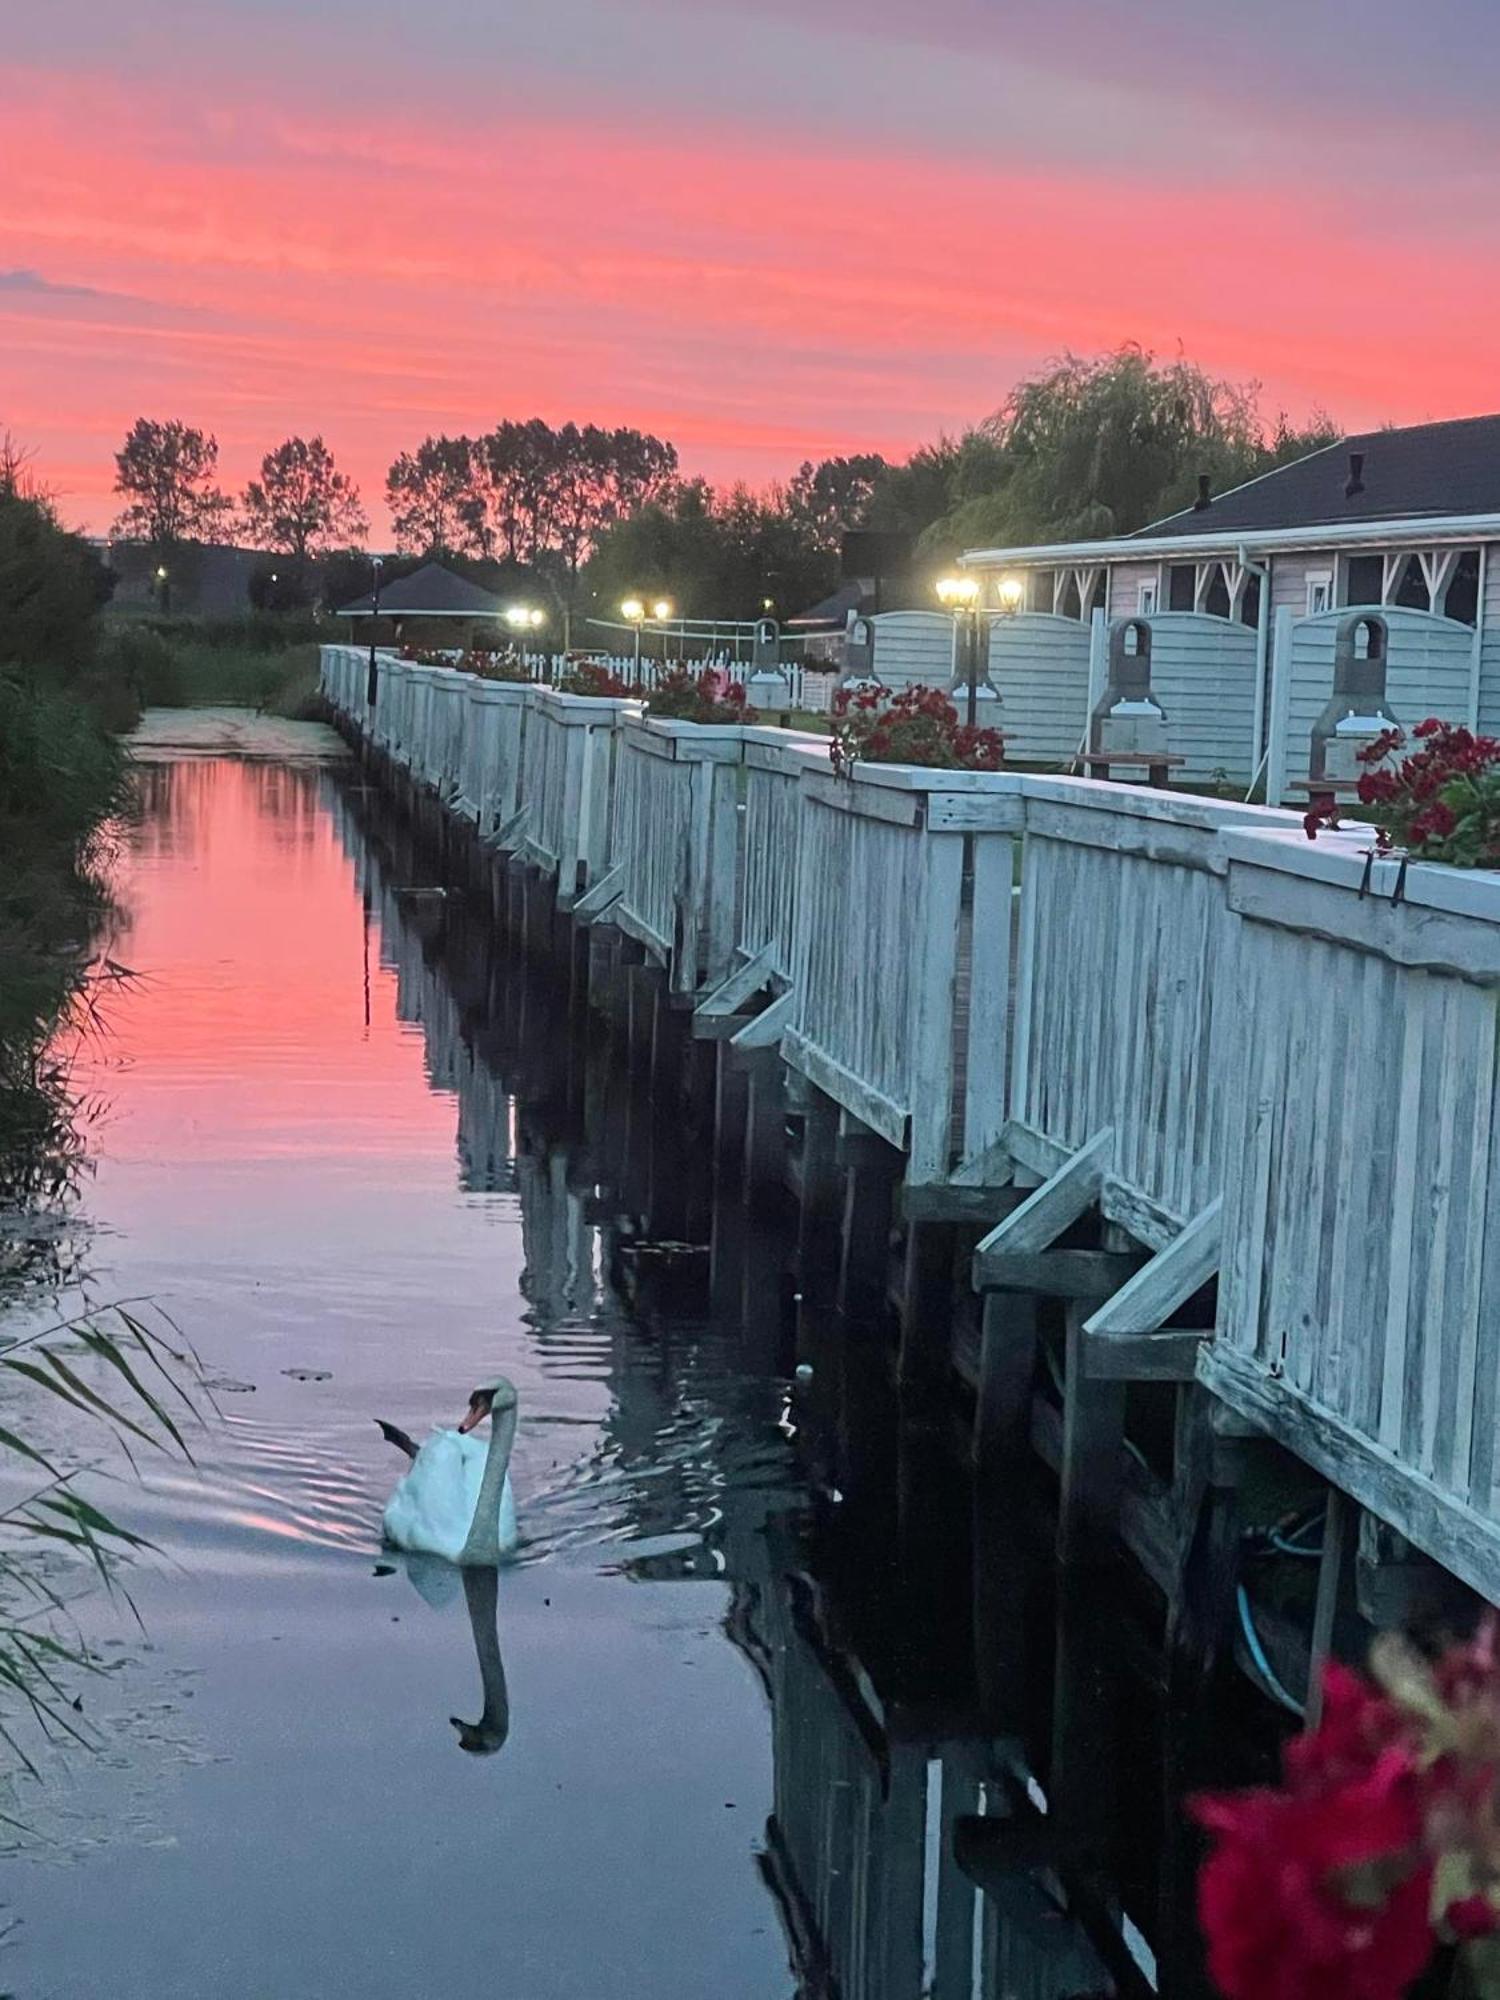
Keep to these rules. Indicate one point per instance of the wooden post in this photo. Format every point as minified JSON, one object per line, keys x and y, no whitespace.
{"x":872,"y":1170}
{"x":1340,"y":1519}
{"x":765,"y":1123}
{"x":926,"y":1313}
{"x":818,"y":1229}
{"x":1093,"y":1440}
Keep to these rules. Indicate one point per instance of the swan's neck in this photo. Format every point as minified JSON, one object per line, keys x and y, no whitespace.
{"x":483,"y":1544}
{"x":481,"y":1593}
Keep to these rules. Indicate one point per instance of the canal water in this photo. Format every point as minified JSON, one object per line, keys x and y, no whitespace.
{"x":711,"y":1733}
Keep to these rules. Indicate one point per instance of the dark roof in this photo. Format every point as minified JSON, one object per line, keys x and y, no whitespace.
{"x":855,"y":595}
{"x":429,"y":592}
{"x":1448,"y":468}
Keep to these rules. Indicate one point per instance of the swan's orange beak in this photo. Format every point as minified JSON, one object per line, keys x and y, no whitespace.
{"x":474,"y":1415}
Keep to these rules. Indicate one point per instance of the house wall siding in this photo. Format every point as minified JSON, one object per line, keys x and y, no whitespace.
{"x":1489,"y":643}
{"x":1289,"y":579}
{"x":1125,"y":580}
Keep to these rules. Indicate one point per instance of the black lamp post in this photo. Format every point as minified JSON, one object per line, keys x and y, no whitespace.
{"x":372,"y":684}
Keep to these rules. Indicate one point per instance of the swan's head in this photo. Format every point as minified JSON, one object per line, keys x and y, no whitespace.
{"x":487,"y":1401}
{"x":480,"y":1739}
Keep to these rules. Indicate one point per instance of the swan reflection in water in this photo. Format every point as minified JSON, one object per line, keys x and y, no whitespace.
{"x":437,"y":1583}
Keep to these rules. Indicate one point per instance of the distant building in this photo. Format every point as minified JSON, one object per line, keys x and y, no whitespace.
{"x":204,"y":579}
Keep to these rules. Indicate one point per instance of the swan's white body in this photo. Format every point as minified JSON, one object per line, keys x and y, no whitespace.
{"x":455,"y":1501}
{"x":433,"y":1509}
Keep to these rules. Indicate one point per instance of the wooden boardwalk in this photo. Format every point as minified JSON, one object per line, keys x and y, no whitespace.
{"x":1193,"y":1104}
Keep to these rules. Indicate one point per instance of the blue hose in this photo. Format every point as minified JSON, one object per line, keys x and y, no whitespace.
{"x":1258,"y":1655}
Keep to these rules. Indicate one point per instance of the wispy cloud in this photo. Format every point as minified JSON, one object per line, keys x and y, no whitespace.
{"x":21,"y":283}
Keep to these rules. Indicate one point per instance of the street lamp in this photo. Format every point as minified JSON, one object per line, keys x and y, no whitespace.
{"x":525,"y":618}
{"x":163,"y":593}
{"x":633,"y":611}
{"x":372,"y":683}
{"x":960,"y":595}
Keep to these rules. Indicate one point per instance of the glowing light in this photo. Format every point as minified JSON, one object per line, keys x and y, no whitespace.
{"x":633,"y":609}
{"x":1010,"y":591}
{"x":958,"y":593}
{"x":525,"y":617}
{"x":662,"y":608}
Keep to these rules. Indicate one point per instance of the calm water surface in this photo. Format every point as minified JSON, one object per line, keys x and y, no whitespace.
{"x":731,"y":1725}
{"x":302,"y":1157}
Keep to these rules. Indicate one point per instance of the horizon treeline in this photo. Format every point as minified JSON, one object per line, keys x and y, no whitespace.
{"x":1087,"y":447}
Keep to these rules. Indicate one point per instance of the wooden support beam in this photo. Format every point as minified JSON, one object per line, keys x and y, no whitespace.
{"x":764,"y":1030}
{"x":731,"y":994}
{"x":1340,"y":1523}
{"x":819,"y":1227}
{"x":508,"y":836}
{"x":1127,"y":1338}
{"x":1092,"y":1452}
{"x":1055,"y":1206}
{"x":607,"y":891}
{"x":1064,"y":1274}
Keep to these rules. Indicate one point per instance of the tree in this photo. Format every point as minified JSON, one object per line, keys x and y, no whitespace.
{"x":51,"y":587}
{"x":1097,"y":448}
{"x":714,"y":555}
{"x":166,"y":472}
{"x":302,"y":505}
{"x":834,"y":496}
{"x":435,"y":498}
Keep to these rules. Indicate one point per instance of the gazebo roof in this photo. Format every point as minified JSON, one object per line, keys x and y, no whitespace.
{"x":429,"y":592}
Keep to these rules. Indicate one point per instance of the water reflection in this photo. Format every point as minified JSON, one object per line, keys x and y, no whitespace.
{"x":969,"y":1796}
{"x":368,"y":1153}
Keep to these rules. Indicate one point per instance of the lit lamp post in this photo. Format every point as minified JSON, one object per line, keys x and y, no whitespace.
{"x":372,"y":681}
{"x":634,"y":612}
{"x":525,"y":621}
{"x":964,"y":597}
{"x":960,"y":596}
{"x":661,"y":611}
{"x":163,"y":589}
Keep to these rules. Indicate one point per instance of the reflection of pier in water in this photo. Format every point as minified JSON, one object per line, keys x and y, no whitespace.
{"x":969,"y":1799}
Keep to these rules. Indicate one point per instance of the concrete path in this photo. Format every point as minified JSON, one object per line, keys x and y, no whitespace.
{"x":232,"y":732}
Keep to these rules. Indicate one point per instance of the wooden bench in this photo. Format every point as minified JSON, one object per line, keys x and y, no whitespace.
{"x":1155,"y":763}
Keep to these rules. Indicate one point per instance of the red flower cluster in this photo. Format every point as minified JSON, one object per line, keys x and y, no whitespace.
{"x":918,"y":726}
{"x":1383,"y":1842}
{"x":593,"y":678}
{"x":680,"y":695}
{"x":1442,"y":803}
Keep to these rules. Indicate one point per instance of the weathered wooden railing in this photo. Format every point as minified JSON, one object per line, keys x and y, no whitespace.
{"x":490,"y":764}
{"x":1120,"y":1015}
{"x":899,"y":997}
{"x":676,"y":842}
{"x":567,"y":775}
{"x":765,"y":928}
{"x":1359,"y":1294}
{"x":1251,"y":1061}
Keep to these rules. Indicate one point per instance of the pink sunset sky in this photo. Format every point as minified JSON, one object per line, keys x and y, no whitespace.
{"x":766,"y":230}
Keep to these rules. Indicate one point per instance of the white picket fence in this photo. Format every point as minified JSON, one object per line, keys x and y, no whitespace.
{"x":1270,"y":1067}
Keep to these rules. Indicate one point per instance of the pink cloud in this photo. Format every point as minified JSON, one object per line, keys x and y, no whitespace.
{"x":757,"y":300}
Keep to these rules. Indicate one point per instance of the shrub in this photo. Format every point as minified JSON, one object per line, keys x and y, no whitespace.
{"x":594,"y":678}
{"x":1441,"y":803}
{"x":918,"y":726}
{"x":680,"y":695}
{"x":147,"y":664}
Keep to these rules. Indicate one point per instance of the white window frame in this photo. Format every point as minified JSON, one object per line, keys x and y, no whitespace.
{"x":1319,"y":581}
{"x":1148,"y":596}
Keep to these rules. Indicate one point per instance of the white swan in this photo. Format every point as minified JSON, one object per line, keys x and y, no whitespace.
{"x":455,"y":1500}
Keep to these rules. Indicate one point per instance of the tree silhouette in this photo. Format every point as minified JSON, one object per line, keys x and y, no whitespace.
{"x":166,"y":472}
{"x":302,"y":506}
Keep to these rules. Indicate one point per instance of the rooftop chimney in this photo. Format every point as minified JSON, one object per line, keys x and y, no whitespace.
{"x":1202,"y":500}
{"x":1355,"y":483}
